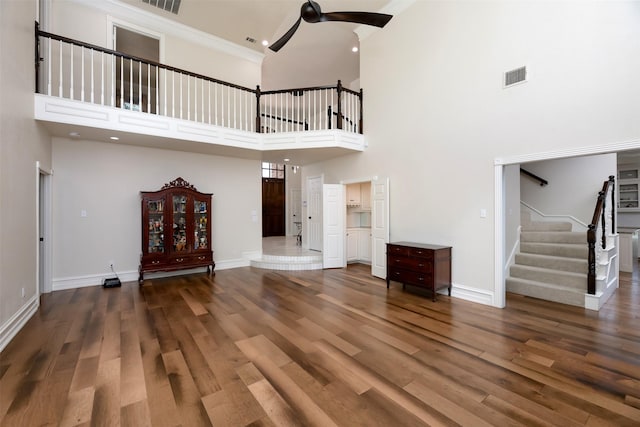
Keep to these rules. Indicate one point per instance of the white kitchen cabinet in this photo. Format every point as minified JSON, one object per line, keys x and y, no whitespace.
{"x":364,"y":244}
{"x":353,"y":195}
{"x":365,"y":196}
{"x":358,"y":245}
{"x":352,"y":244}
{"x":628,"y":189}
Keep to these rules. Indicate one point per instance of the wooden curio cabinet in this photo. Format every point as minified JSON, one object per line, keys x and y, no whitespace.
{"x":176,"y":229}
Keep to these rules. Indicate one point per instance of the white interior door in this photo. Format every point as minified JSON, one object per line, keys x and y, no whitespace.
{"x":379,"y":226}
{"x":295,"y":214}
{"x":44,"y":232}
{"x":333,"y":232}
{"x":314,"y":213}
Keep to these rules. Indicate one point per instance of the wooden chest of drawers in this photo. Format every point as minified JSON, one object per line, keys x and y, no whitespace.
{"x":419,"y":264}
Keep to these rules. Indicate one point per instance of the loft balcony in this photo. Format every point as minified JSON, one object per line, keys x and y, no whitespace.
{"x":98,"y":93}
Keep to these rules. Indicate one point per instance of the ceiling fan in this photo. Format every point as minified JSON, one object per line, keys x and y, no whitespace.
{"x":311,"y":12}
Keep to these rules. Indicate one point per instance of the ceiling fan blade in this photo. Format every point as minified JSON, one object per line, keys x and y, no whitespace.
{"x":285,"y":38}
{"x":366,"y":18}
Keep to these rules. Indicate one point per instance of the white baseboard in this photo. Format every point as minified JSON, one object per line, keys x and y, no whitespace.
{"x":467,"y":293}
{"x":64,"y":283}
{"x":595,"y":302}
{"x":12,"y":326}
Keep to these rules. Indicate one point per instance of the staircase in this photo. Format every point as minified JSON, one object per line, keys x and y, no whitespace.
{"x":551,"y":264}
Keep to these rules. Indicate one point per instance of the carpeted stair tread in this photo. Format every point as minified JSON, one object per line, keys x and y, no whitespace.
{"x":572,"y":237}
{"x":568,"y":250}
{"x":547,"y":226}
{"x":567,"y":279}
{"x":575,"y":265}
{"x":545,"y":291}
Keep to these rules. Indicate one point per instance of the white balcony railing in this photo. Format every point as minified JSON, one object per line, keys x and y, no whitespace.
{"x":74,"y":70}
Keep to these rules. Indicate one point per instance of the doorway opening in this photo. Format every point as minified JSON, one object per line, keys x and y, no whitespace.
{"x":136,"y":87}
{"x":273,"y":199}
{"x":359,"y":222}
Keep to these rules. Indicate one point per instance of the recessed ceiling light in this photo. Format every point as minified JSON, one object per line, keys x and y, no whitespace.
{"x":354,"y":49}
{"x":287,"y":160}
{"x":74,"y":134}
{"x":265,"y":43}
{"x":114,"y":138}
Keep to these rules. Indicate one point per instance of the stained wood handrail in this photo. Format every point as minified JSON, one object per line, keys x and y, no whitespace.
{"x":599,"y":218}
{"x":542,"y":181}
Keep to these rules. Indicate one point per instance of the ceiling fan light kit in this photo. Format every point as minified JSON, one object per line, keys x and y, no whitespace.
{"x":311,"y":13}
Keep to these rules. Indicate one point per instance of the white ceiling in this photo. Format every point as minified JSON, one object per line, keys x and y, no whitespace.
{"x":318,"y":54}
{"x":235,"y":20}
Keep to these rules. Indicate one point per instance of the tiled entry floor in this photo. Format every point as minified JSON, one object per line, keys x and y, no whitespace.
{"x":282,"y":253}
{"x":281,"y":245}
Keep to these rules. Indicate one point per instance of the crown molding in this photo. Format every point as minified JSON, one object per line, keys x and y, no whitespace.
{"x":164,"y":25}
{"x":615,"y":147}
{"x":394,"y":7}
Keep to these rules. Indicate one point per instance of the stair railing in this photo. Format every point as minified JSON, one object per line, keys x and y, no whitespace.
{"x":535,"y":177}
{"x":603,"y":220}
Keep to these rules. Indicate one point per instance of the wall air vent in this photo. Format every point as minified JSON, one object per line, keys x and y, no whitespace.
{"x":168,"y":5}
{"x":519,"y":75}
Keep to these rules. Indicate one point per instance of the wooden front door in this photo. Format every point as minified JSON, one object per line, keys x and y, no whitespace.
{"x":273,"y":207}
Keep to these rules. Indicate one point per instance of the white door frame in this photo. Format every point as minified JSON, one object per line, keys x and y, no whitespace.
{"x":113,"y":22}
{"x":307,"y":221}
{"x":43,"y":226}
{"x":500,"y":219}
{"x":375,"y":271}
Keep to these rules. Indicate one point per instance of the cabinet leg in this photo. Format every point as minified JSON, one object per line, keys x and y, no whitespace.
{"x":387,"y":283}
{"x":449,"y":290}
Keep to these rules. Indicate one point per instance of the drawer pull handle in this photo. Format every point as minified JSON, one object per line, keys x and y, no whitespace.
{"x":420,"y":265}
{"x":397,"y":273}
{"x":155,"y":262}
{"x":179,"y":259}
{"x":201,"y":258}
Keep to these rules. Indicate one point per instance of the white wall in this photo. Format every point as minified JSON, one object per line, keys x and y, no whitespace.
{"x":74,"y":20}
{"x":105,"y":180}
{"x":573,"y":185}
{"x":22,"y":144}
{"x":436,"y":116}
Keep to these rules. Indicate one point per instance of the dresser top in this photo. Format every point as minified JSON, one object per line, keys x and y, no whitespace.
{"x":419,"y":245}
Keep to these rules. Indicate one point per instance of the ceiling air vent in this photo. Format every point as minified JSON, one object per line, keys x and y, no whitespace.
{"x":168,"y":5}
{"x":519,"y":75}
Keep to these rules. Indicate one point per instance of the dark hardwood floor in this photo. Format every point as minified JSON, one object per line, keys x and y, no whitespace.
{"x":335,"y":347}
